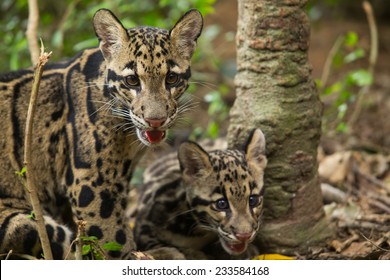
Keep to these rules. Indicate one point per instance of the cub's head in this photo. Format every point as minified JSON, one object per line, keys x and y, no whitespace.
{"x":147,"y":70}
{"x":225,"y":189}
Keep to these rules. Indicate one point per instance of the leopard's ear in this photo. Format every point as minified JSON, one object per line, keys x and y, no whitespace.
{"x":194,"y":161}
{"x":185,"y":33}
{"x":255,"y":152}
{"x":110,"y":31}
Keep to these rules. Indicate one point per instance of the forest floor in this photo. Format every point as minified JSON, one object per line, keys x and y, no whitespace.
{"x":354,"y":167}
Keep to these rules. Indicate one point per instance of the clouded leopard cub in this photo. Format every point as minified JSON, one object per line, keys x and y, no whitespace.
{"x":94,"y":112}
{"x":192,"y":201}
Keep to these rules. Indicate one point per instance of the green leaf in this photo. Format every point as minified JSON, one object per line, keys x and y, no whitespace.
{"x":88,"y":238}
{"x":361,"y":77}
{"x":336,"y":87}
{"x":342,"y":109}
{"x":213,"y":130}
{"x":32,"y":216}
{"x":22,"y":172}
{"x":342,"y":127}
{"x":86,"y":249}
{"x":57,"y":39}
{"x":112,"y":246}
{"x":355,"y":55}
{"x":351,"y":39}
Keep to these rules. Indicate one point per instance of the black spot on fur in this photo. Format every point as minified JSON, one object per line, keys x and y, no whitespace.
{"x":114,"y":254}
{"x":86,"y":196}
{"x":107,"y":205}
{"x":95,"y":231}
{"x":120,"y":237}
{"x":57,"y":251}
{"x":126,"y":166}
{"x":60,"y":234}
{"x":31,"y":238}
{"x":99,"y":163}
{"x":50,"y":231}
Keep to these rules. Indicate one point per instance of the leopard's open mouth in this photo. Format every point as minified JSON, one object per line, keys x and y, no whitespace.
{"x":234,"y":248}
{"x":151,"y":137}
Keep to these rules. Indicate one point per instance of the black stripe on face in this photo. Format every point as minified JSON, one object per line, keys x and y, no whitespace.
{"x":91,"y":68}
{"x":112,"y":76}
{"x":186,"y":75}
{"x":131,"y":65}
{"x":199,"y":201}
{"x":171,"y":63}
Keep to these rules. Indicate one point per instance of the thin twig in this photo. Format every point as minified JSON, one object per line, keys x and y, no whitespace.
{"x":31,"y":32}
{"x":371,"y":62}
{"x":8,"y":254}
{"x":329,"y":59}
{"x":21,"y":256}
{"x":369,"y":240}
{"x":31,"y":184}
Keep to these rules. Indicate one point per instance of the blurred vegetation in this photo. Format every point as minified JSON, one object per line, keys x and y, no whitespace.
{"x":66,"y":26}
{"x":342,"y":93}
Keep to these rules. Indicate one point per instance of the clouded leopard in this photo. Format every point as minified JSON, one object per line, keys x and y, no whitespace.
{"x":200,"y":205}
{"x":93,"y":112}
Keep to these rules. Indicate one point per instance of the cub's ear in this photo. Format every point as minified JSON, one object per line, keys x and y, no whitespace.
{"x":194,"y":161}
{"x":255,"y":152}
{"x":110,"y":31}
{"x":185,"y":33}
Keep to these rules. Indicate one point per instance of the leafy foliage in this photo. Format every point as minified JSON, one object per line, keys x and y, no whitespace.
{"x":66,"y":26}
{"x":92,"y":249}
{"x":217,"y":111}
{"x":343,"y":92}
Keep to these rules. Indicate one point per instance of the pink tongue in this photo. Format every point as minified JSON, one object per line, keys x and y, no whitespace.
{"x":155,"y":136}
{"x":237,"y":247}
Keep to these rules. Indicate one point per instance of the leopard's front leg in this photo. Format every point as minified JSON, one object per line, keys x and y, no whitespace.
{"x":101,"y":203}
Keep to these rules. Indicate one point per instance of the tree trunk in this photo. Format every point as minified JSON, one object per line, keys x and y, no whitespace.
{"x":275,"y":92}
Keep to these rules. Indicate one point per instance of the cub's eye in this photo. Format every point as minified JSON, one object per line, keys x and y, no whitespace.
{"x":171,"y":78}
{"x":132,"y":81}
{"x":222,"y":204}
{"x":254,"y":200}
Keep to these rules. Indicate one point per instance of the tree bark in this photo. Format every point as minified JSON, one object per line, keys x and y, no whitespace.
{"x":275,"y":92}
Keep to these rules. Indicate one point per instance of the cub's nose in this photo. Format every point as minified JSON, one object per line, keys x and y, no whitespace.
{"x":155,"y":123}
{"x":243,"y":236}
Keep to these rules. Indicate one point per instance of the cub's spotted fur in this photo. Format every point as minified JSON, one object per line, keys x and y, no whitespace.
{"x":92,"y":114}
{"x":216,"y":196}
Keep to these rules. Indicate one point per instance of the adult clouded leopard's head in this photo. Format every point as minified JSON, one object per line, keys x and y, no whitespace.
{"x":225,"y":189}
{"x":148,"y":70}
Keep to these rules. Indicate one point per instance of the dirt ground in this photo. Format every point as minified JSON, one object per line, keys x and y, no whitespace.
{"x":354,"y":167}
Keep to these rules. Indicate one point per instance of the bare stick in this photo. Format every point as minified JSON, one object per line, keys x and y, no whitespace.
{"x":371,"y":62}
{"x":328,"y":63}
{"x":31,"y":184}
{"x":31,"y":32}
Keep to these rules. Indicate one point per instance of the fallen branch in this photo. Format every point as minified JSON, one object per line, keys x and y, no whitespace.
{"x":30,"y":178}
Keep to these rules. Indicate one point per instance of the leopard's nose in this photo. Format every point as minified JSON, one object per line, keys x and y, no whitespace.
{"x":155,"y":123}
{"x":243,"y":236}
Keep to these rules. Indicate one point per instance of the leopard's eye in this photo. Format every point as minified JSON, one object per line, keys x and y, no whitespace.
{"x":222,"y":204}
{"x":132,"y":81}
{"x":254,"y":200}
{"x":171,"y":78}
